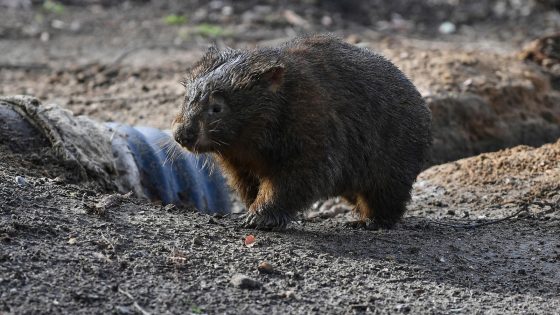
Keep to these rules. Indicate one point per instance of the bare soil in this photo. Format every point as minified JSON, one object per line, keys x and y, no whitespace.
{"x":452,"y":253}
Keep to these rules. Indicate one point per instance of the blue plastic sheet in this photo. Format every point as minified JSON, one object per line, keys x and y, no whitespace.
{"x":187,"y":179}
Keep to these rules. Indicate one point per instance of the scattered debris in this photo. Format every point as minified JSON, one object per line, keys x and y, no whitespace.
{"x":136,"y":305}
{"x":249,"y":240}
{"x":288,"y":294}
{"x":111,"y":201}
{"x":177,"y":257}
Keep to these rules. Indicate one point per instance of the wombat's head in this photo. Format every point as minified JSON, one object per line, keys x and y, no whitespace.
{"x":228,"y":94}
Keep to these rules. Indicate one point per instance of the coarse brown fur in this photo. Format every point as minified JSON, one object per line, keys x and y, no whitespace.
{"x":312,"y":119}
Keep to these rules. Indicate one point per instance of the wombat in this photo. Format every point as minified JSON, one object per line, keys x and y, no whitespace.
{"x":312,"y":119}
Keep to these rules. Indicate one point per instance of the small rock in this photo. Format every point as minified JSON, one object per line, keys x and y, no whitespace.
{"x":326,"y":20}
{"x":112,"y":201}
{"x":170,"y":207}
{"x":450,"y":212}
{"x":447,"y":28}
{"x":72,"y":241}
{"x":265,"y":267}
{"x":353,"y":39}
{"x":197,"y":241}
{"x":59,"y":180}
{"x":288,"y":294}
{"x":20,"y":180}
{"x":359,"y":307}
{"x":244,"y":282}
{"x":45,"y":37}
{"x":124,"y":310}
{"x":402,"y":308}
{"x":293,"y":275}
{"x":58,"y":24}
{"x":227,"y":10}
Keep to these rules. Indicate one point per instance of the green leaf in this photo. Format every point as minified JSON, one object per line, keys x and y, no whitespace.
{"x":211,"y":30}
{"x":174,"y":19}
{"x":53,"y":7}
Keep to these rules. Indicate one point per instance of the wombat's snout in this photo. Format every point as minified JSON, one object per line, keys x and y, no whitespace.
{"x":185,"y":135}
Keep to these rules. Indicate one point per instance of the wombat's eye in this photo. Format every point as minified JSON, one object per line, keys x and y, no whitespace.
{"x":215,"y":109}
{"x":217,"y":103}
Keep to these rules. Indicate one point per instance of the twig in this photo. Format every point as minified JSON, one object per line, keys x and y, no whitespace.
{"x":135,"y":304}
{"x":25,"y":66}
{"x":132,"y":50}
{"x":476,"y":225}
{"x":163,"y":96}
{"x":405,"y":279}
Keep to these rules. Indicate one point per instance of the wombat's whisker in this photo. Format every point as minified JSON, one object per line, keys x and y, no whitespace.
{"x":168,"y":146}
{"x":217,"y":122}
{"x":164,"y":145}
{"x":205,"y":162}
{"x":169,"y":157}
{"x":177,"y":153}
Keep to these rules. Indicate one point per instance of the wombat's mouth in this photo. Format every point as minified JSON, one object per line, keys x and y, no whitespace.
{"x":203,"y":148}
{"x":202,"y":144}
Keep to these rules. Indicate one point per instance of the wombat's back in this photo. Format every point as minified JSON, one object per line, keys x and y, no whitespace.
{"x":376,"y":119}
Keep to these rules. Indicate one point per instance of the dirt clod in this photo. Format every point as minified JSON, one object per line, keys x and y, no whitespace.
{"x":244,"y":282}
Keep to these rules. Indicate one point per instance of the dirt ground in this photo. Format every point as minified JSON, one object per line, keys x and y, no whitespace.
{"x":59,"y":253}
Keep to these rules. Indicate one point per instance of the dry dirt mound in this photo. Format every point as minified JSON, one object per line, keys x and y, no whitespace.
{"x":518,"y":163}
{"x":480,"y":101}
{"x":508,"y":179}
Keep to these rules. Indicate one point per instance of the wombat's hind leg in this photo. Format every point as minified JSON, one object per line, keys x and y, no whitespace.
{"x":359,"y":207}
{"x":384,"y":206}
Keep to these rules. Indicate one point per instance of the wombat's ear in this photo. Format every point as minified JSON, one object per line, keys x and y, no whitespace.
{"x":212,"y":51}
{"x":273,"y":77}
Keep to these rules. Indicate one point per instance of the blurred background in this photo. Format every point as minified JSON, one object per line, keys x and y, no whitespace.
{"x":122,"y":60}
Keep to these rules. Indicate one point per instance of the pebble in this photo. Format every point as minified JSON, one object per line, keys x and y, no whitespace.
{"x":447,"y":28}
{"x":123,"y":310}
{"x":265,"y":267}
{"x":244,"y":282}
{"x":402,"y":308}
{"x":197,"y":241}
{"x":20,"y":180}
{"x":288,"y":294}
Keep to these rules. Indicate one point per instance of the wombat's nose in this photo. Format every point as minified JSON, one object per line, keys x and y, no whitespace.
{"x":186,"y":136}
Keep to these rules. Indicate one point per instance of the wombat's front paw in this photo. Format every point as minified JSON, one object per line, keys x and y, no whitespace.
{"x":363,"y":224}
{"x":270,"y":222}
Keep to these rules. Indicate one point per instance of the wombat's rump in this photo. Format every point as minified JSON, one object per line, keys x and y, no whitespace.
{"x":312,"y":119}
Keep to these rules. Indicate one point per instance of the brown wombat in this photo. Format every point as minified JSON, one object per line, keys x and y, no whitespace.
{"x":312,"y":119}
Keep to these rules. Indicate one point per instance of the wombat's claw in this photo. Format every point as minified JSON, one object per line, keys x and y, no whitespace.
{"x":265,"y":222}
{"x":366,"y":224}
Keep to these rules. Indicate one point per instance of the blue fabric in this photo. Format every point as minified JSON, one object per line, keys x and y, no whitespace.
{"x":184,"y":180}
